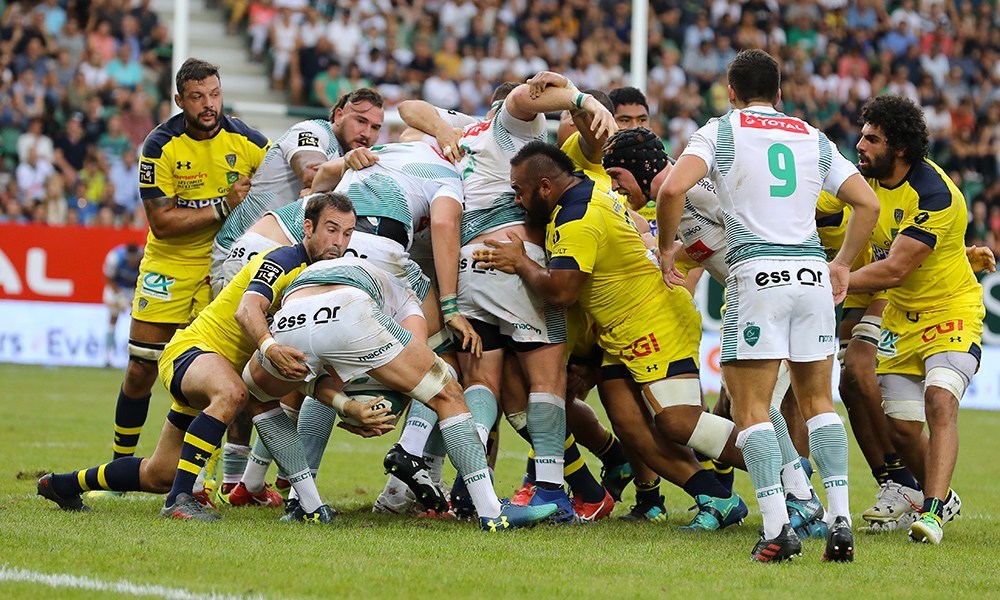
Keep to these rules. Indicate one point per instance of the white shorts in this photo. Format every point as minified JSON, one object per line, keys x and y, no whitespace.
{"x":343,"y":329}
{"x":392,"y":258}
{"x":118,"y":301}
{"x":779,"y":309}
{"x":503,"y":300}
{"x":705,"y":243}
{"x":226,"y":264}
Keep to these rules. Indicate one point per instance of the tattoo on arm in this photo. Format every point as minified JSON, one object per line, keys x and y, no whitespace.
{"x":161,"y":202}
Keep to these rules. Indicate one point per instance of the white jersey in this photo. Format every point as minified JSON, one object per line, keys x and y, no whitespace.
{"x":701,"y":229}
{"x":275,"y":183}
{"x":769,"y":169}
{"x":393,"y":297}
{"x":485,"y":168}
{"x":402,"y":185}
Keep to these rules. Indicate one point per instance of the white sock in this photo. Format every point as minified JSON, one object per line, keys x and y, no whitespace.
{"x":416,"y":431}
{"x":483,"y":496}
{"x":763,"y":459}
{"x":794,"y":480}
{"x":254,"y":473}
{"x":305,"y":489}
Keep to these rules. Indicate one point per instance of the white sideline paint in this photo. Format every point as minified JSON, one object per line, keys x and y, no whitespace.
{"x":59,"y":580}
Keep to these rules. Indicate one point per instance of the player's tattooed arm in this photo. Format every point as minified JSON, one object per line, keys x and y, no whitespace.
{"x":560,"y":287}
{"x":170,"y":217}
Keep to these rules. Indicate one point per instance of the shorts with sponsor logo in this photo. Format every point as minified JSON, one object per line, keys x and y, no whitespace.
{"x":779,"y":309}
{"x":170,"y":292}
{"x":118,"y":301}
{"x":392,"y":258}
{"x":705,"y":245}
{"x":180,"y":352}
{"x":503,"y":300}
{"x":343,"y":329}
{"x":227,"y":263}
{"x":658,"y":340}
{"x":907,"y":338}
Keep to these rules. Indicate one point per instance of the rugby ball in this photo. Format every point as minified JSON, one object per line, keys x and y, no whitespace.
{"x":396,"y":401}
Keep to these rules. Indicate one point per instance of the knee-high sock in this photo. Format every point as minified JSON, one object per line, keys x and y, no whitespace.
{"x":792,"y":476}
{"x":469,"y":457}
{"x":278,"y":433}
{"x":828,"y":446}
{"x":417,"y":428}
{"x":119,"y":475}
{"x":483,"y":406}
{"x":547,"y":427}
{"x":578,"y":476}
{"x":763,"y":458}
{"x":130,"y":416}
{"x":202,"y":439}
{"x":258,"y":461}
{"x":316,"y":422}
{"x":234,"y":462}
{"x":434,"y":454}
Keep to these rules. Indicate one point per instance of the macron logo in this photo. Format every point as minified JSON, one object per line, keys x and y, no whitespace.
{"x":784,"y":124}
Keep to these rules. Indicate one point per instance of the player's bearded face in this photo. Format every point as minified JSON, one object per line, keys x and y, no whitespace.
{"x":536,"y":207}
{"x":875,"y":165}
{"x":202,"y":103}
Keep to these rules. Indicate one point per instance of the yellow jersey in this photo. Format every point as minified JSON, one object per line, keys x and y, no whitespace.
{"x":590,"y":230}
{"x":593,"y":170}
{"x":267,"y":274}
{"x":928,"y":207}
{"x":197,"y":173}
{"x":832,"y":228}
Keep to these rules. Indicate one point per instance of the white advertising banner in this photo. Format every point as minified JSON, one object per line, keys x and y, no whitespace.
{"x":60,"y":333}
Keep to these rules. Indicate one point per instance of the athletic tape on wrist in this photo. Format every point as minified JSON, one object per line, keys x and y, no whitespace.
{"x":267,"y":343}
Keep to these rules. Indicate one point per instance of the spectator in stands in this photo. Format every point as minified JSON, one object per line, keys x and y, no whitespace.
{"x":55,"y":200}
{"x":441,"y":91}
{"x":284,"y":38}
{"x":31,"y":175}
{"x":101,"y":42}
{"x":124,"y":70}
{"x":71,"y":149}
{"x":345,"y":34}
{"x":122,"y":176}
{"x":35,"y":138}
{"x":114,"y":144}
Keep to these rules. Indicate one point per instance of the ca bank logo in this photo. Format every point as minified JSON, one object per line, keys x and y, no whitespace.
{"x":156,"y":285}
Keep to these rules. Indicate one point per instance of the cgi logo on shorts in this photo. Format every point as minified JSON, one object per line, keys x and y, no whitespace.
{"x":157,"y":286}
{"x":751,"y":334}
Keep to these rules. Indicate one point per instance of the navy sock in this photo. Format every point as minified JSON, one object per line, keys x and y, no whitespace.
{"x":119,"y":475}
{"x":897,"y":471}
{"x":130,"y":416}
{"x":578,"y":476}
{"x":648,"y":492}
{"x":704,"y":483}
{"x":202,"y":438}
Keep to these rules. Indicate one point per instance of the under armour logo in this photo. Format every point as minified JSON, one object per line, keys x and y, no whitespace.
{"x":955,"y":339}
{"x":494,"y":524}
{"x":183,"y":164}
{"x":200,"y":456}
{"x":652,"y":368}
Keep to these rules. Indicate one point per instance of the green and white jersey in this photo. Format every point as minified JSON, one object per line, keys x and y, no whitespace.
{"x":392,"y":296}
{"x":769,"y":169}
{"x":402,"y":185}
{"x":485,"y":169}
{"x":291,"y":218}
{"x":275,"y":183}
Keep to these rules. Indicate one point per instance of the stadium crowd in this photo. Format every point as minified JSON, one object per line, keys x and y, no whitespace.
{"x":83,"y":82}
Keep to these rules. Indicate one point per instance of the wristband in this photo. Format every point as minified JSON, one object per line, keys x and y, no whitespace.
{"x":221,"y":210}
{"x":267,"y":343}
{"x":579,"y":100}
{"x":338,"y":402}
{"x":449,"y":306}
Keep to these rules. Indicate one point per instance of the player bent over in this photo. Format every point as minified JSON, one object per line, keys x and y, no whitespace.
{"x":343,"y":314}
{"x":201,"y":367}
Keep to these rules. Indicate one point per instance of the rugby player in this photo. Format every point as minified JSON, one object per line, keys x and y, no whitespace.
{"x":201,"y":367}
{"x":288,"y":167}
{"x":929,"y":345}
{"x":499,"y":306}
{"x":644,"y":328}
{"x":194,"y":169}
{"x":768,"y":171}
{"x":354,"y":344}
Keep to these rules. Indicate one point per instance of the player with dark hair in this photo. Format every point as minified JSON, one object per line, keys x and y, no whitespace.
{"x":630,"y":107}
{"x":201,"y":368}
{"x":195,"y":168}
{"x":929,"y":344}
{"x":288,"y":167}
{"x":768,"y":170}
{"x":649,"y":333}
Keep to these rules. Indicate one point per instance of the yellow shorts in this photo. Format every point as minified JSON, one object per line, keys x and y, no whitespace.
{"x":170,"y":292}
{"x":862,"y":300}
{"x":581,"y":332}
{"x":907,"y":339}
{"x":657,"y":341}
{"x":685,"y":263}
{"x":183,"y":348}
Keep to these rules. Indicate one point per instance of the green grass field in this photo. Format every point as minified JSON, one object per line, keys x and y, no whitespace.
{"x":60,"y":419}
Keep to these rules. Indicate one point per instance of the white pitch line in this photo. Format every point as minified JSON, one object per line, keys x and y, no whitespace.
{"x":61,"y":580}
